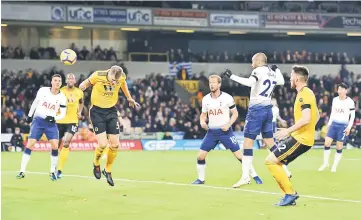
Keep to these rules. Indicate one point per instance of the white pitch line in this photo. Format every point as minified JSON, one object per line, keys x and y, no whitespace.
{"x":352,"y":159}
{"x":204,"y":186}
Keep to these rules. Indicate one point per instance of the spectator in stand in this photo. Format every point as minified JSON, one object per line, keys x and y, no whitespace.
{"x":17,"y":139}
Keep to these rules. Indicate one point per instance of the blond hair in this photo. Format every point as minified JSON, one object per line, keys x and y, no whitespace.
{"x":215,"y":76}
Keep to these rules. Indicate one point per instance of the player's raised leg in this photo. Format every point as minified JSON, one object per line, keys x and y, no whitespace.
{"x":102,"y":143}
{"x":327,"y":150}
{"x":338,"y":155}
{"x":112,"y":154}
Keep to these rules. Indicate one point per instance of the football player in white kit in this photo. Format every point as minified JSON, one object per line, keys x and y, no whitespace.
{"x":339,"y":125}
{"x":42,"y":116}
{"x":276,"y":116}
{"x":218,"y":106}
{"x":262,"y":81}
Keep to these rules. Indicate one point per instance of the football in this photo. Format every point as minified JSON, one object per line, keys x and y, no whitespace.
{"x":68,"y":57}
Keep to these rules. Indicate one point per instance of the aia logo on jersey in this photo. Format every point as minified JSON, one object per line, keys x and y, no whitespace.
{"x":215,"y":112}
{"x":340,"y":110}
{"x":49,"y":106}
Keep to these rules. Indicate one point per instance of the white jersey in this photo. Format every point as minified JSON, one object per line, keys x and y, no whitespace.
{"x":341,"y":110}
{"x":218,"y":109}
{"x":276,"y":113}
{"x":267,"y":79}
{"x":48,"y":104}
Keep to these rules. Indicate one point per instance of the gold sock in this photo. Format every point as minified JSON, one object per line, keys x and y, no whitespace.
{"x":112,"y":154}
{"x":97,"y":154}
{"x":106,"y":150}
{"x":281,"y":177}
{"x":63,"y":157}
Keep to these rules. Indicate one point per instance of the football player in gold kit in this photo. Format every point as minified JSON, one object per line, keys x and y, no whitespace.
{"x":68,"y":126}
{"x":298,"y":138}
{"x":103,"y":114}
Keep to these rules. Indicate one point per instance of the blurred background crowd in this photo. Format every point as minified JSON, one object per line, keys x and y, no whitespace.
{"x":161,"y":109}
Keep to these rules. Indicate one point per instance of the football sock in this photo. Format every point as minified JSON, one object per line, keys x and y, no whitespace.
{"x":247,"y":163}
{"x":112,"y":154}
{"x":106,"y":150}
{"x":63,"y":157}
{"x":53,"y":160}
{"x":286,"y":170}
{"x":97,"y":154}
{"x":281,"y":177}
{"x":25,"y":159}
{"x":253,"y":172}
{"x":338,"y":156}
{"x":326,"y":155}
{"x":201,"y":169}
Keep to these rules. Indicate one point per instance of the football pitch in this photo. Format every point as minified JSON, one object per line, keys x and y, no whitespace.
{"x":155,"y":185}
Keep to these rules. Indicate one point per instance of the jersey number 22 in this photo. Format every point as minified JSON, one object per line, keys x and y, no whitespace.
{"x":270,"y":87}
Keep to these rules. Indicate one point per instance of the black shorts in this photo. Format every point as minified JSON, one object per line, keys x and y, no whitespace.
{"x":104,"y":120}
{"x":67,"y":128}
{"x":289,"y":149}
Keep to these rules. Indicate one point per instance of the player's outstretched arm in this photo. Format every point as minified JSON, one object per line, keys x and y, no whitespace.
{"x":242,"y":80}
{"x":125,"y":89}
{"x":85,"y":84}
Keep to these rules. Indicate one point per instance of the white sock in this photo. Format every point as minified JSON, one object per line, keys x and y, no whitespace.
{"x":253,"y":172}
{"x":53,"y":163}
{"x":286,"y":170}
{"x":337,"y":160}
{"x":326,"y":156}
{"x":24,"y":162}
{"x":201,"y":170}
{"x":246,"y":166}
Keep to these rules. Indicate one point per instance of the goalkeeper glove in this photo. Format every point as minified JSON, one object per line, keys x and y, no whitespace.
{"x":228,"y":73}
{"x":274,"y":67}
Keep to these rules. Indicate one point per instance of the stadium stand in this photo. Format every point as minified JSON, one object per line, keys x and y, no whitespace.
{"x":161,"y":109}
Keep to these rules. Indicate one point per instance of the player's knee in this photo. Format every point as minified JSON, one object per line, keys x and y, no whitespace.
{"x":114,"y":147}
{"x":66,"y":143}
{"x":201,"y":157}
{"x":271,"y":159}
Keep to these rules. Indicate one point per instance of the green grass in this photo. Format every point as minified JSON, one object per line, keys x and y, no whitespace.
{"x":36,"y":197}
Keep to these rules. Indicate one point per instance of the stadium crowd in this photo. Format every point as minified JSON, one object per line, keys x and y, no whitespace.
{"x":179,"y":55}
{"x":275,"y":57}
{"x":8,"y":52}
{"x":161,"y":109}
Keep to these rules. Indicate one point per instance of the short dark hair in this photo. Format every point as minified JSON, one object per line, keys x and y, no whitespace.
{"x":342,"y":85}
{"x":301,"y":70}
{"x":56,"y":75}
